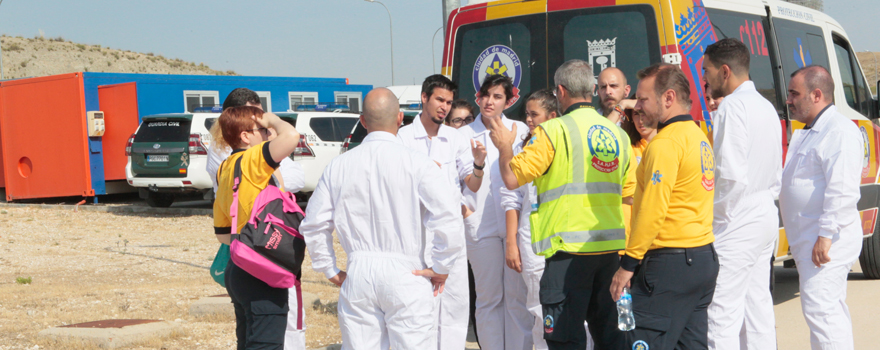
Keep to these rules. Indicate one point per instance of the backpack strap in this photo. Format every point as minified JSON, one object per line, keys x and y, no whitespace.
{"x":236,"y":181}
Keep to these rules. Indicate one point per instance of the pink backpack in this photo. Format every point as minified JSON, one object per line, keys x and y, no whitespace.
{"x":269,"y":246}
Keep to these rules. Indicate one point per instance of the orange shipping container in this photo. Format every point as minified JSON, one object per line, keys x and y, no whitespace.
{"x":43,"y":136}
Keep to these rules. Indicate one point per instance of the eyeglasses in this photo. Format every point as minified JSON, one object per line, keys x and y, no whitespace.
{"x":556,"y":89}
{"x":458,"y":121}
{"x":264,"y":131}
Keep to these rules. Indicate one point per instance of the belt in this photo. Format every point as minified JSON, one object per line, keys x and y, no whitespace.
{"x":687,"y":251}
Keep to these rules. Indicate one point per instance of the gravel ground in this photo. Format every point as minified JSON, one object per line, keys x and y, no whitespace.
{"x":88,"y":266}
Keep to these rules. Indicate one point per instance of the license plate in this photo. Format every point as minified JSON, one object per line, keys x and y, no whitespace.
{"x":157,"y":158}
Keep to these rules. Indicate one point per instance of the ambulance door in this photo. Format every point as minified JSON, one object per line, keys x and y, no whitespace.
{"x":515,"y":47}
{"x":596,"y":35}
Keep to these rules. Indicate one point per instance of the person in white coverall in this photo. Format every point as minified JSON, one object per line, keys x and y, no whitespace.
{"x":748,"y":166}
{"x":519,"y":203}
{"x":456,"y":157}
{"x":380,"y":198}
{"x":819,"y":197}
{"x":503,"y":321}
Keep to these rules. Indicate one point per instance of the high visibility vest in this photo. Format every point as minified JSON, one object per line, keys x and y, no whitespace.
{"x":579,"y":198}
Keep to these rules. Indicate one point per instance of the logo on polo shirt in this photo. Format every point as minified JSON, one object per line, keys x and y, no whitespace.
{"x":604,"y":147}
{"x":707,"y":166}
{"x":498,"y":60}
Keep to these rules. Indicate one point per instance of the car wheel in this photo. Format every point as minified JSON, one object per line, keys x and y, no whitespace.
{"x":869,"y":260}
{"x":160,"y":200}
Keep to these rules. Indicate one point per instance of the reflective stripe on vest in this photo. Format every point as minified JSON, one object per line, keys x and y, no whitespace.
{"x":581,"y":236}
{"x":579,"y":188}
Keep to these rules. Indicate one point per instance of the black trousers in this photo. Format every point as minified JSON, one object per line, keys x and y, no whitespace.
{"x":671,"y":291}
{"x":574,"y":289}
{"x":260,"y":310}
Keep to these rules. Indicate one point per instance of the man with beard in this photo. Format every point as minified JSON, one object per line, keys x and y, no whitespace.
{"x":748,"y":150}
{"x":670,"y":249}
{"x":613,"y":90}
{"x":819,"y":197}
{"x":461,"y":161}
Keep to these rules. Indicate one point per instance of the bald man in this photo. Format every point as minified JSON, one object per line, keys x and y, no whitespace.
{"x":613,"y":90}
{"x":818,"y":202}
{"x":379,"y":198}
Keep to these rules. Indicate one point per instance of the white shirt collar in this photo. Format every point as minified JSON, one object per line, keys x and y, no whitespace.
{"x":420,"y":132}
{"x":479,"y":127}
{"x":747,"y":85}
{"x":381,"y":136}
{"x":823,"y":118}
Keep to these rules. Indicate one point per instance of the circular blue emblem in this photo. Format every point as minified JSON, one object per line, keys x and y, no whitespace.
{"x":498,"y":60}
{"x":604,"y":147}
{"x":548,"y":324}
{"x":641,"y":345}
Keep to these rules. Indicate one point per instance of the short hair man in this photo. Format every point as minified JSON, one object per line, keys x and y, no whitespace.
{"x":290,"y":173}
{"x":460,"y":160}
{"x":501,"y":313}
{"x":818,"y":201}
{"x":748,"y":154}
{"x":670,"y":248}
{"x":613,"y":91}
{"x":579,"y":225}
{"x":379,"y":215}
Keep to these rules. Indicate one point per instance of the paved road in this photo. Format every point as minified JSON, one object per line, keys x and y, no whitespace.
{"x":863,"y":298}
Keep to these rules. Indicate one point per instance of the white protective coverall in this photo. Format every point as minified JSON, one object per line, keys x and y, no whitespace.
{"x":452,"y":151}
{"x":498,"y":325}
{"x":525,"y":199}
{"x":748,"y":167}
{"x":378,"y":197}
{"x":819,"y":197}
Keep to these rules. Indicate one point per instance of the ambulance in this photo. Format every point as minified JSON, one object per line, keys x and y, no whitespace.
{"x":528,"y":40}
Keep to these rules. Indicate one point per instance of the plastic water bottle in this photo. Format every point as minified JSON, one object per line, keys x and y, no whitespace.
{"x":625,"y":320}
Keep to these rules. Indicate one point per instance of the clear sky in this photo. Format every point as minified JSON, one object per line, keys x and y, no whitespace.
{"x":318,"y":38}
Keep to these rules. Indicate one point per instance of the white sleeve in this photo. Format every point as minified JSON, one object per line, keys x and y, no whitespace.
{"x":842,"y":165}
{"x":317,"y":228}
{"x":293,"y":175}
{"x":464,"y":158}
{"x":212,"y":165}
{"x":731,"y":158}
{"x":442,"y":218}
{"x":513,"y":199}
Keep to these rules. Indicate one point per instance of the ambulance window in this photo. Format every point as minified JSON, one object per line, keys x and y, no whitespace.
{"x":846,"y":75}
{"x":853,"y":82}
{"x":515,"y":47}
{"x":752,"y":31}
{"x":621,"y":36}
{"x":800,"y":45}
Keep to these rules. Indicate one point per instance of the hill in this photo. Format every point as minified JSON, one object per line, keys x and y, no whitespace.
{"x":870,"y":65}
{"x":39,"y":56}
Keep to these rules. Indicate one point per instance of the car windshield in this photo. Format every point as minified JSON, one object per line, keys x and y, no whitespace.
{"x":163,"y":131}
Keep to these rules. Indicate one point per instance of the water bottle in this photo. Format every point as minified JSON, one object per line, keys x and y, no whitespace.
{"x":625,"y":321}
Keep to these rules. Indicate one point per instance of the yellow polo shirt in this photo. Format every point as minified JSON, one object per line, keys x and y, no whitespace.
{"x":257,"y":167}
{"x":675,"y":190}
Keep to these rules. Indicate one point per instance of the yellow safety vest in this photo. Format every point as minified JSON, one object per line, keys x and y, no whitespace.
{"x":579,"y":198}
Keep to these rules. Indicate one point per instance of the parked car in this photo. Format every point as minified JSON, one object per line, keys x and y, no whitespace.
{"x":167,"y":156}
{"x":359,"y":132}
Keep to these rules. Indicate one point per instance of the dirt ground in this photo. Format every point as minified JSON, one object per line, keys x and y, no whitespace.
{"x":89,"y":266}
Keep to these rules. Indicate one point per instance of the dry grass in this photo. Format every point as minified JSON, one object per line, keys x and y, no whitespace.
{"x":88,"y":266}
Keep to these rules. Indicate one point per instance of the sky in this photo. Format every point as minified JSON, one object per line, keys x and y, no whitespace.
{"x":319,"y":38}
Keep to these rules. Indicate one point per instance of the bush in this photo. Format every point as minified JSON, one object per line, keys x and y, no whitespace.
{"x":81,"y":47}
{"x":23,"y":280}
{"x":14,"y":47}
{"x":23,"y":64}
